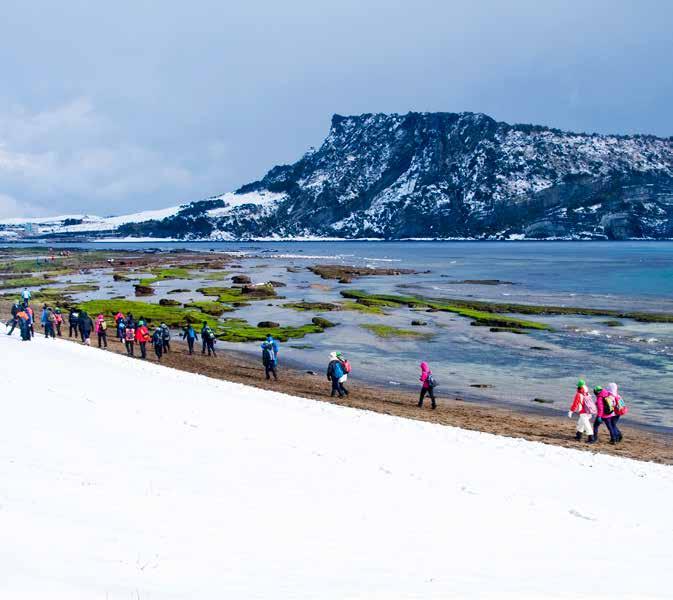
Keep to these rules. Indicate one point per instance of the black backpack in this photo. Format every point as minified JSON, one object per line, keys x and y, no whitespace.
{"x":431,"y":381}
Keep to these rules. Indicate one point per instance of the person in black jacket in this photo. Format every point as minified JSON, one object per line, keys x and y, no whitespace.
{"x":158,"y":342}
{"x":85,"y":327}
{"x":166,"y":337}
{"x":73,"y":321}
{"x":14,"y":320}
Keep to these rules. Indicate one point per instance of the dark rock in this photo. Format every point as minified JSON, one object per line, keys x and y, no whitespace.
{"x":169,"y":302}
{"x":417,"y":323}
{"x":321,"y":322}
{"x":143,"y":290}
{"x":277,"y":284}
{"x":543,"y":401}
{"x":268,"y":324}
{"x":241,"y":279}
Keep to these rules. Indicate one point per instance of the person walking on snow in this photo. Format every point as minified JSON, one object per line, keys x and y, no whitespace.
{"x":428,"y":385}
{"x":24,"y":325}
{"x":142,"y":337}
{"x":335,"y":371}
{"x":100,"y":326}
{"x":584,"y":405}
{"x":129,"y":338}
{"x":189,"y":334}
{"x":158,"y":342}
{"x":16,"y":308}
{"x":269,"y":360}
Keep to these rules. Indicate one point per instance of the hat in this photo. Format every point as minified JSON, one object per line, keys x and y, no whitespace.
{"x":598,"y":389}
{"x":612,"y":388}
{"x":339,"y":354}
{"x":333,"y":355}
{"x":581,"y":383}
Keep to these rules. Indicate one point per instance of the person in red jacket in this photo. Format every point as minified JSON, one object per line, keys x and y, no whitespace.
{"x":584,"y":405}
{"x":142,"y":337}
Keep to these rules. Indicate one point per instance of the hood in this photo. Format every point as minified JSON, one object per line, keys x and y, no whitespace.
{"x":332,"y":356}
{"x":612,"y":388}
{"x":424,"y":367}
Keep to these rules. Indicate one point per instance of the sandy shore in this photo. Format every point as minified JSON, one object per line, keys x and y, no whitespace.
{"x":639,"y":442}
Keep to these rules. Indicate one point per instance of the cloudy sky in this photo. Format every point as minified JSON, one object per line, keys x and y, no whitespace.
{"x":109,"y":107}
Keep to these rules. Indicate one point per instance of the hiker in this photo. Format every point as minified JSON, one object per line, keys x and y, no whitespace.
{"x":346,"y":366}
{"x":189,"y":334}
{"x":158,"y":342}
{"x":25,"y":297}
{"x":43,"y":316}
{"x":129,"y":337}
{"x":100,"y":326}
{"x":130,"y":322}
{"x":31,"y":320}
{"x":121,"y":325}
{"x":24,"y":325}
{"x":49,"y":320}
{"x":269,"y":360}
{"x":584,"y":405}
{"x":606,"y":403}
{"x":85,"y":327}
{"x":58,"y":321}
{"x":335,"y":371}
{"x":620,"y":410}
{"x":142,"y":337}
{"x":16,"y":308}
{"x":73,"y":321}
{"x":166,"y":337}
{"x":428,"y":385}
{"x":208,"y":339}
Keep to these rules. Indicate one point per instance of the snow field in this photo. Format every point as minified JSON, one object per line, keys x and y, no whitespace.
{"x":123,"y":479}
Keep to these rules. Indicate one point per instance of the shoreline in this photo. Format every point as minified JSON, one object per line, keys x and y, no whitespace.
{"x":235,"y":366}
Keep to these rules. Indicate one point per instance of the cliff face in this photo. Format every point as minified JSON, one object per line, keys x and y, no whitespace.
{"x":447,"y":175}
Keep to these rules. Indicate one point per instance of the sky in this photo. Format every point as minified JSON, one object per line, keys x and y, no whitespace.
{"x":112,"y":107}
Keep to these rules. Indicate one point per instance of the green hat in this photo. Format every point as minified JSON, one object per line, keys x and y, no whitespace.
{"x":581,"y":383}
{"x":598,"y":389}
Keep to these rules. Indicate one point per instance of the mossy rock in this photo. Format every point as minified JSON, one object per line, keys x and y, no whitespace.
{"x":387,"y":331}
{"x":238,"y":330}
{"x":179,"y":291}
{"x":613,"y":323}
{"x":81,"y":287}
{"x":120,"y":277}
{"x":321,"y":322}
{"x":143,"y":290}
{"x":174,"y":316}
{"x":233,"y":295}
{"x":312,"y":306}
{"x":169,"y":302}
{"x":363,"y":308}
{"x":507,"y":330}
{"x":210,"y":308}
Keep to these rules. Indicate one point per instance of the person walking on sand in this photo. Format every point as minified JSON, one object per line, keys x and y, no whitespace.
{"x":100,"y":327}
{"x":584,"y":405}
{"x":346,"y":366}
{"x":49,"y":324}
{"x":43,"y":316}
{"x":620,"y":410}
{"x":166,"y":337}
{"x":142,"y":337}
{"x":129,"y":338}
{"x":73,"y":322}
{"x":189,"y":334}
{"x":58,"y":321}
{"x":605,"y":413}
{"x":85,"y":327}
{"x":25,"y":297}
{"x":208,"y":338}
{"x":428,"y":385}
{"x":158,"y":342}
{"x":120,"y":324}
{"x":269,"y":360}
{"x":335,"y":371}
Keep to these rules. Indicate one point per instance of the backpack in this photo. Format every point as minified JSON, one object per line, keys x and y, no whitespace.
{"x":102,"y":325}
{"x":346,"y":366}
{"x":130,"y":334}
{"x":207,"y":333}
{"x":431,"y":381}
{"x":268,"y":355}
{"x":337,"y":370}
{"x":608,"y":405}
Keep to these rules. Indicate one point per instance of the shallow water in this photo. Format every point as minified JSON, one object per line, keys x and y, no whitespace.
{"x":516,"y":368}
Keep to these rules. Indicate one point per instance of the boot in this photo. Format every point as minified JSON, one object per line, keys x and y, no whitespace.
{"x":434,"y":405}
{"x":591,"y":440}
{"x":620,"y":437}
{"x":420,"y":405}
{"x":578,"y":436}
{"x":613,"y":442}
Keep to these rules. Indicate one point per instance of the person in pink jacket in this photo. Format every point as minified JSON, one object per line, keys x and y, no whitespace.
{"x":607,"y":403}
{"x":428,"y":385}
{"x":584,"y":405}
{"x":100,"y":326}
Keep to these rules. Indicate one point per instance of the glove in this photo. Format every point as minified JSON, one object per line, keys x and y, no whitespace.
{"x":570,"y":414}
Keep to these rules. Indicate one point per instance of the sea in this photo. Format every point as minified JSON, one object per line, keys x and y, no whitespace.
{"x":537,"y":371}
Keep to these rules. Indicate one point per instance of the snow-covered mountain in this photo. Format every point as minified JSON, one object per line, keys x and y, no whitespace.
{"x":444,"y":175}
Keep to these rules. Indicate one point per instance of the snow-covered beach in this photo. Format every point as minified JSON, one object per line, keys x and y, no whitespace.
{"x":125,"y":479}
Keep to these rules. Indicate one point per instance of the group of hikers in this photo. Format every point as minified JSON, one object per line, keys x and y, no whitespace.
{"x":606,"y":406}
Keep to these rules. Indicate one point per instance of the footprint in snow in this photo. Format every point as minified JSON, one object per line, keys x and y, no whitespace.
{"x":579,"y":515}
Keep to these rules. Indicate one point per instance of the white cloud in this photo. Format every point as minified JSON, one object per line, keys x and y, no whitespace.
{"x":72,"y":157}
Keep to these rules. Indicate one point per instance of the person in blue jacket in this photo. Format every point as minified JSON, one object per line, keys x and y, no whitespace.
{"x":269,"y":358}
{"x":335,"y":371}
{"x":189,"y":334}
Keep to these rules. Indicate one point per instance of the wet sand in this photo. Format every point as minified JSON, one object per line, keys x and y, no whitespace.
{"x":639,"y":442}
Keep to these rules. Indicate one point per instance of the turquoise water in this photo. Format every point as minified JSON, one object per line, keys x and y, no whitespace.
{"x":517,"y":369}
